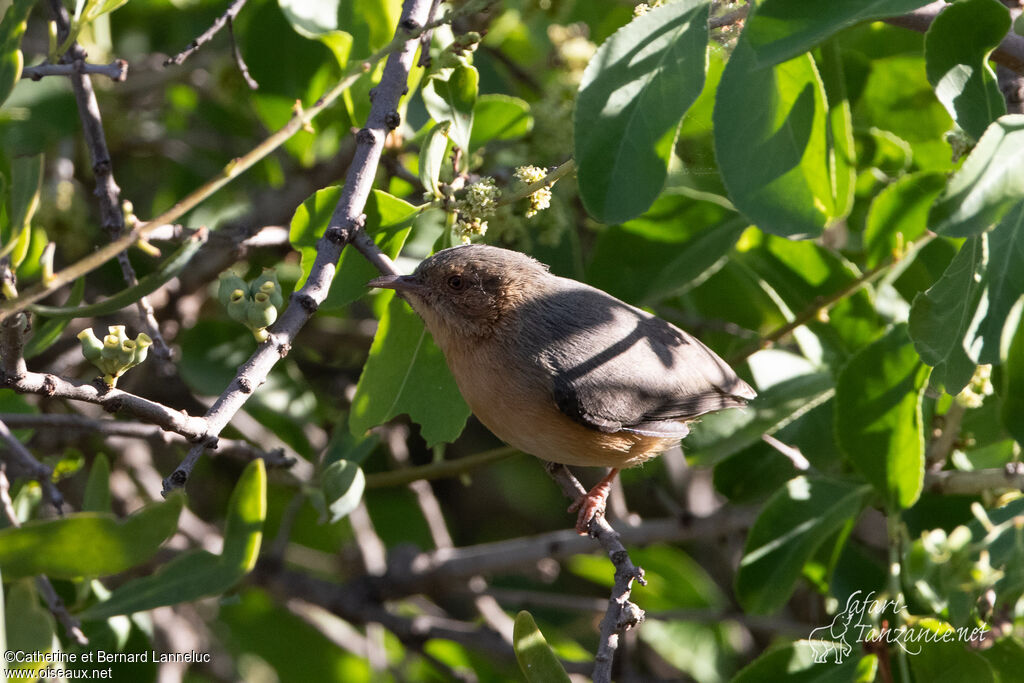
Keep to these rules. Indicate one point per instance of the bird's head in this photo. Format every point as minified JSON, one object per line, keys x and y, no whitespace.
{"x":468,"y":291}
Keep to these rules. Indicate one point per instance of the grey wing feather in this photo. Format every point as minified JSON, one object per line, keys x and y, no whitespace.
{"x":614,"y":367}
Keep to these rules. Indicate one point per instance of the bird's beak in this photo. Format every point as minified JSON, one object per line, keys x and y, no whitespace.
{"x":399,"y":283}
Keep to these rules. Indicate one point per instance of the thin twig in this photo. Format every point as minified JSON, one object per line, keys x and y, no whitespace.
{"x":344,"y":226}
{"x":232,"y":11}
{"x":730,"y":18}
{"x":438,"y":470}
{"x":26,"y":462}
{"x":621,"y":614}
{"x":107,"y":190}
{"x":239,"y":60}
{"x":547,"y":181}
{"x":117,"y":70}
{"x":71,"y":625}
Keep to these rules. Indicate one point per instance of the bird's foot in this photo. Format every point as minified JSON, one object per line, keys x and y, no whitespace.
{"x":592,"y":504}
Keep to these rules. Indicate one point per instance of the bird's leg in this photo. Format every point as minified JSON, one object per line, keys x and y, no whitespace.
{"x":593,"y":504}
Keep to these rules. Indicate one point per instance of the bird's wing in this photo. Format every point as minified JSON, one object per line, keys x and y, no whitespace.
{"x":615,"y":367}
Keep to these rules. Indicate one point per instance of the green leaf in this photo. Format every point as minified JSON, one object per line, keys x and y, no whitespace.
{"x":196,"y":574}
{"x":774,"y":156}
{"x":97,"y":488}
{"x":798,"y":663}
{"x":676,"y":244}
{"x":318,"y":20}
{"x":432,"y":155}
{"x":12,"y":28}
{"x":782,"y":29}
{"x":388,"y":221}
{"x":342,"y":483}
{"x":987,"y":186}
{"x":956,"y":50}
{"x":632,"y":97}
{"x":841,"y":150}
{"x":720,"y":435}
{"x":30,"y":626}
{"x":407,"y":373}
{"x":536,"y":658}
{"x":170,"y":268}
{"x":899,"y":214}
{"x":450,"y":96}
{"x":938,"y":659}
{"x":1012,"y":356}
{"x":44,"y":336}
{"x":499,"y":117}
{"x":959,"y":321}
{"x":26,"y":183}
{"x":792,"y":525}
{"x":88,"y":543}
{"x":97,"y":8}
{"x":878,"y":416}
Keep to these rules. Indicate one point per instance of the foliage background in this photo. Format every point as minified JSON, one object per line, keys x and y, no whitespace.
{"x":837,"y":214}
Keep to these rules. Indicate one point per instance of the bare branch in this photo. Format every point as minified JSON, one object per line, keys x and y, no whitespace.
{"x":19,"y":456}
{"x":239,"y":60}
{"x":1010,"y":52}
{"x":112,"y":400}
{"x":107,"y":190}
{"x":117,"y":70}
{"x":976,"y":482}
{"x":232,"y":11}
{"x":240,"y":450}
{"x":53,"y":601}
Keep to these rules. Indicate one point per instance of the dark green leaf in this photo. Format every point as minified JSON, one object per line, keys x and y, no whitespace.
{"x":631,"y":99}
{"x":319,"y":21}
{"x":1013,"y":372}
{"x":841,"y":151}
{"x":451,"y":96}
{"x":720,"y":435}
{"x":49,"y":332}
{"x":957,"y":47}
{"x":793,"y":524}
{"x":499,"y":117}
{"x":958,"y":322}
{"x":938,"y":659}
{"x":798,"y":663}
{"x":388,"y":220}
{"x":26,"y":183}
{"x":899,"y":214}
{"x":407,"y":373}
{"x":782,"y":29}
{"x":30,"y":626}
{"x":536,"y":659}
{"x":664,"y":252}
{"x":987,"y":186}
{"x":774,"y":158}
{"x":88,"y":543}
{"x":199,"y":573}
{"x":97,"y":488}
{"x":878,"y":416}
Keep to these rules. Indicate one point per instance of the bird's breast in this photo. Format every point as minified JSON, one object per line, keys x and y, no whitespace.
{"x":518,"y":407}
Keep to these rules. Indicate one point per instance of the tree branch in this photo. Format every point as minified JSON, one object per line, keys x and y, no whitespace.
{"x":954,"y":482}
{"x":117,"y":70}
{"x":232,"y":11}
{"x":107,"y":190}
{"x":1010,"y":52}
{"x":344,"y":227}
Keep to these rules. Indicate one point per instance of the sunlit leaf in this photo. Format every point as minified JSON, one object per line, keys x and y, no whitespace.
{"x":498,"y":118}
{"x":956,"y":50}
{"x":536,"y":659}
{"x":631,"y":99}
{"x":451,"y":96}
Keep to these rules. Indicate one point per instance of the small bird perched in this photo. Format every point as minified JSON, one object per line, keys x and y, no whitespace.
{"x":562,"y":370}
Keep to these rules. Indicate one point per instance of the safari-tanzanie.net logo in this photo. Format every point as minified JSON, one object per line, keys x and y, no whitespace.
{"x":855,"y":623}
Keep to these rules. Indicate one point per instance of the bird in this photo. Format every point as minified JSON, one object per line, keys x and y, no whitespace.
{"x":562,"y":370}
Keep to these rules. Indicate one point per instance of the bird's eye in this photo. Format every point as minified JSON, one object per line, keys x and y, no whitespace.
{"x":456,"y":282}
